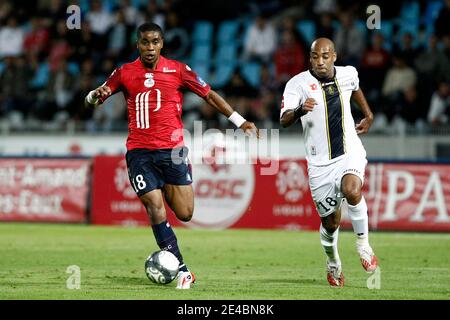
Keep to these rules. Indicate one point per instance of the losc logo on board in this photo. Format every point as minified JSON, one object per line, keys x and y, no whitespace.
{"x":122,"y":182}
{"x":222,"y":191}
{"x":292,"y":181}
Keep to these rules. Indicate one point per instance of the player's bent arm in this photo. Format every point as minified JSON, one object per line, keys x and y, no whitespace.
{"x":291,"y":116}
{"x":364,"y":125}
{"x":360,"y":99}
{"x":288,"y":119}
{"x":219,"y":103}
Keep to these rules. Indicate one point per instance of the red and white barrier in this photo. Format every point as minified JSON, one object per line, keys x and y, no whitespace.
{"x":235,"y":196}
{"x":399,"y":196}
{"x":46,"y":190}
{"x":408,"y":196}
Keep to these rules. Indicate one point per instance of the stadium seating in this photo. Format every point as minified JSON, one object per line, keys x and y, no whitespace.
{"x":307,"y":29}
{"x":431,"y":13}
{"x":41,"y":76}
{"x":226,"y":53}
{"x":202,"y":32}
{"x":227,"y":32}
{"x":222,"y":74}
{"x":202,"y":69}
{"x":201,"y":53}
{"x":251,"y":72}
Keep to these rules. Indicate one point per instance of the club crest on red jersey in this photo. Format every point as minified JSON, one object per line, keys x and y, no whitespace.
{"x":149,"y":82}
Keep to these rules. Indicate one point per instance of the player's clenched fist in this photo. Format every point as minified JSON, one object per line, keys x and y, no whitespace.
{"x":92,"y":99}
{"x":250,"y":129}
{"x":309,"y":105}
{"x":103,"y":91}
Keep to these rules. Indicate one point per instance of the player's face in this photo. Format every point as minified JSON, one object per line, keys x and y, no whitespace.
{"x":322,"y":61}
{"x":149,"y":45}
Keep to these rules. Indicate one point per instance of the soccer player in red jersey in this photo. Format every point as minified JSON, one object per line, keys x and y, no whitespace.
{"x":152,"y":87}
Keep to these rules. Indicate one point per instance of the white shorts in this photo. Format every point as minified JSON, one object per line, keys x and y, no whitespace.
{"x":325,"y":181}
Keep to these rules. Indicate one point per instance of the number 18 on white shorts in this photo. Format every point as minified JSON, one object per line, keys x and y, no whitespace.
{"x":325,"y":181}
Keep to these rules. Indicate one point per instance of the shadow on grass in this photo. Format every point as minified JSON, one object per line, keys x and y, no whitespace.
{"x":137,"y":281}
{"x":292,"y":281}
{"x":312,"y":282}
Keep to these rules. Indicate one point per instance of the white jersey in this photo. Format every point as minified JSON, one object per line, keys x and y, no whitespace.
{"x":328,"y":130}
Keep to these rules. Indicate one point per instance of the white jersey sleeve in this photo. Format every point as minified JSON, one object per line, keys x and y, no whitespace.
{"x":293,"y":95}
{"x":354,"y":77}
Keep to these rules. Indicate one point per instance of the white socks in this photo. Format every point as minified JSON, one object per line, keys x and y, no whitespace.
{"x":329,"y":242}
{"x":360,"y":222}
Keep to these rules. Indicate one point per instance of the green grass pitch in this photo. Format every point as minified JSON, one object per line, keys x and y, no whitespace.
{"x":230,"y":264}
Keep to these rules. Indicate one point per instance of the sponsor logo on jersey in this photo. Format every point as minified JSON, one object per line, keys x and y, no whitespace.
{"x":166,"y":70}
{"x":201,"y":81}
{"x":313,"y":86}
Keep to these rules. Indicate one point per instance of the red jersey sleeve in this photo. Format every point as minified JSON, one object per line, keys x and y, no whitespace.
{"x":114,"y":82}
{"x":193,"y":81}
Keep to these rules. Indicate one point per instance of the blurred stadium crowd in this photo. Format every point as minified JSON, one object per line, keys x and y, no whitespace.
{"x":247,"y":50}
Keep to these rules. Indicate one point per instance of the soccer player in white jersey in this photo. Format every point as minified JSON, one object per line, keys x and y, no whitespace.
{"x":320,"y":98}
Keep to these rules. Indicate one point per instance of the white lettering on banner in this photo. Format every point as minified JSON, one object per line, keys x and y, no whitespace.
{"x":7,"y":176}
{"x":292,"y":210}
{"x":46,"y":177}
{"x":29,"y":203}
{"x":126,"y":206}
{"x":434,"y":185}
{"x":207,"y":188}
{"x":394,"y":196}
{"x":7,"y":203}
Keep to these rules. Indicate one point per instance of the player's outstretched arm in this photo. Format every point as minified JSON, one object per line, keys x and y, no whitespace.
{"x":364,"y":125}
{"x":93,"y":97}
{"x":219,"y":103}
{"x":291,"y":116}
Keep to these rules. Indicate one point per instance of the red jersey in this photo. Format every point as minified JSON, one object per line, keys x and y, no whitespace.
{"x":154,"y":101}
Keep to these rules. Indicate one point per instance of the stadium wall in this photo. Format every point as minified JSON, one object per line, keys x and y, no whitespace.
{"x":393,"y":147}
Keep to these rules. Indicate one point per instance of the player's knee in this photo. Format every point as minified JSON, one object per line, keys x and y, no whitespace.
{"x":331,"y":226}
{"x":352,"y":193}
{"x":186,"y":213}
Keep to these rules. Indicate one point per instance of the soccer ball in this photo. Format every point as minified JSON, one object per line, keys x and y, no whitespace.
{"x":162,"y":267}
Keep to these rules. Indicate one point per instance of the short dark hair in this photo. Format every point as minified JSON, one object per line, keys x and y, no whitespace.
{"x":149,"y":26}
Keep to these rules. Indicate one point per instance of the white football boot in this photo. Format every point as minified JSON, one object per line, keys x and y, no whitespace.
{"x":185,"y":279}
{"x":368,"y":259}
{"x":335,"y":276}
